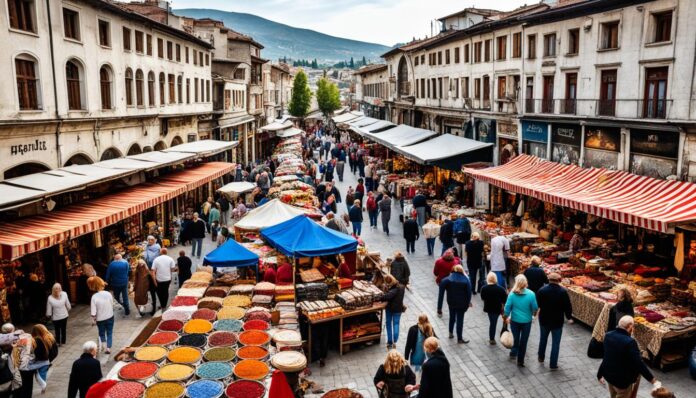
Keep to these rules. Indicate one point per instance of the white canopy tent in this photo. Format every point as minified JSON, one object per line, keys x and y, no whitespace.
{"x":442,"y":147}
{"x":237,"y":187}
{"x":381,"y":125}
{"x":289,"y":132}
{"x":202,"y":148}
{"x":272,"y":213}
{"x":277,"y":125}
{"x":347,"y":117}
{"x":363,"y":122}
{"x":400,"y":135}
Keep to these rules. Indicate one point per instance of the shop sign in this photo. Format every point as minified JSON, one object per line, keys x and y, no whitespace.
{"x":485,"y":130}
{"x":568,"y":134}
{"x":653,"y":143}
{"x":22,"y":149}
{"x":506,"y":128}
{"x":482,"y":195}
{"x":535,"y":131}
{"x":508,"y":150}
{"x":604,"y":138}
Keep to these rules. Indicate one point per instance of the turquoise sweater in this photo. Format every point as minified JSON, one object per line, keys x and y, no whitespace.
{"x":521,"y":306}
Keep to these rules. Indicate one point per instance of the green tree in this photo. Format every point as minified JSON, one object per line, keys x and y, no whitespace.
{"x":328,"y":96}
{"x":301,"y":96}
{"x":364,"y":61}
{"x":352,"y":63}
{"x":315,"y":64}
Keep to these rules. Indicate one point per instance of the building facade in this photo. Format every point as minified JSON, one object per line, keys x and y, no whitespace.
{"x":371,"y":89}
{"x":277,"y":83}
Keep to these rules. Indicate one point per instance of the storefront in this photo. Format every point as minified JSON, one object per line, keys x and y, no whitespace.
{"x":654,"y":153}
{"x":602,"y":147}
{"x":485,"y":130}
{"x":508,"y":142}
{"x":453,"y":126}
{"x":566,"y":142}
{"x":535,"y":138}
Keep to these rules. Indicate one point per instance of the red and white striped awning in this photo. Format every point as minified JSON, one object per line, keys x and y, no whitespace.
{"x":620,"y":196}
{"x":32,"y":234}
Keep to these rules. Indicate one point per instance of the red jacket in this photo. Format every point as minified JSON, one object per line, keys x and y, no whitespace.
{"x":371,"y":204}
{"x":269,"y":275}
{"x":443,"y":268}
{"x":284,"y":274}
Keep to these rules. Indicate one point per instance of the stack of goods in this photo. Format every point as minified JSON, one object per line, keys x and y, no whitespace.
{"x":291,"y":166}
{"x":278,"y":191}
{"x":311,"y":275}
{"x":265,"y":288}
{"x":267,"y":255}
{"x":288,"y":316}
{"x":258,"y":313}
{"x":344,"y":283}
{"x":322,"y":309}
{"x":227,"y":279}
{"x":370,"y":288}
{"x":312,"y":291}
{"x":242,"y":290}
{"x":354,"y":299}
{"x":284,"y":293}
{"x":661,"y":291}
{"x":299,"y":198}
{"x":362,"y":326}
{"x":665,"y":316}
{"x":288,"y":340}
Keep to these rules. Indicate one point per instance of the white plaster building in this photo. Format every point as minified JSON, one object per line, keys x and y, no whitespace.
{"x":371,"y":90}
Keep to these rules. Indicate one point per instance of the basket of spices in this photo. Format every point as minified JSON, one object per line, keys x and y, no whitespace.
{"x":152,"y":353}
{"x":230,"y":313}
{"x":254,"y":337}
{"x":242,"y":289}
{"x":186,"y":355}
{"x":219,"y":354}
{"x":125,"y":389}
{"x":165,"y":390}
{"x":222,"y":339}
{"x":171,"y":325}
{"x":217,"y":291}
{"x":342,"y":393}
{"x":183,"y":301}
{"x":214,"y":370}
{"x":250,"y":369}
{"x":138,"y":371}
{"x":245,"y":389}
{"x":177,"y":314}
{"x":230,"y":325}
{"x":213,"y":303}
{"x":205,"y":314}
{"x":163,"y":338}
{"x":175,"y":372}
{"x":197,"y":326}
{"x":205,"y":389}
{"x":192,"y":340}
{"x":252,"y":352}
{"x":256,"y":324}
{"x":237,"y":300}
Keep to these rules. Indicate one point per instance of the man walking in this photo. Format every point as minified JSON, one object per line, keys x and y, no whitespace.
{"x":447,"y":236}
{"x":162,"y":269}
{"x":86,"y":371}
{"x":183,"y":264}
{"x":431,"y":230}
{"x":197,"y":236}
{"x":341,"y":163}
{"x":554,"y":304}
{"x":500,"y":248}
{"x":117,"y":276}
{"x":224,"y":209}
{"x":536,"y":276}
{"x":458,"y":288}
{"x":420,"y":204}
{"x":622,"y":364}
{"x":411,"y":234}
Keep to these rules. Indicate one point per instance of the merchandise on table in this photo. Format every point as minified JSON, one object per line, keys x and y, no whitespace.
{"x":342,"y":393}
{"x":237,"y":301}
{"x":254,"y":337}
{"x":265,"y":288}
{"x":192,"y":340}
{"x":311,"y":275}
{"x":353,"y":299}
{"x":251,"y":369}
{"x":252,"y":352}
{"x":174,"y":372}
{"x":194,"y":284}
{"x":287,"y":337}
{"x":204,"y":389}
{"x":196,"y":292}
{"x":222,"y":339}
{"x":315,"y":310}
{"x":180,"y":301}
{"x":165,"y":390}
{"x":163,"y":338}
{"x":242,"y":289}
{"x":214,"y":370}
{"x":205,"y":314}
{"x":213,"y":303}
{"x":126,"y":389}
{"x":198,"y":326}
{"x":224,"y":354}
{"x":260,"y":313}
{"x":230,"y":325}
{"x":289,"y":361}
{"x":176,"y":314}
{"x":153,"y":354}
{"x":137,"y":371}
{"x":185,"y":355}
{"x":262,"y":300}
{"x":245,"y":389}
{"x":170,"y":326}
{"x":312,"y":291}
{"x":256,"y":324}
{"x":230,"y":313}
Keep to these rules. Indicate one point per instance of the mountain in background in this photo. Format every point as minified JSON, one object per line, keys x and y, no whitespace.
{"x":282,"y":40}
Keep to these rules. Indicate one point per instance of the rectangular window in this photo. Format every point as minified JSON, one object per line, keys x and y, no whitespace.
{"x":456,"y":55}
{"x":573,"y":41}
{"x":655,"y":104}
{"x":126,"y":39}
{"x":26,"y":84}
{"x":517,"y":45}
{"x":477,"y":89}
{"x":200,"y":58}
{"x":195,"y":57}
{"x":465,"y":87}
{"x":439,"y":57}
{"x":607,"y":93}
{"x":663,"y":26}
{"x":422,"y":88}
{"x":172,"y":89}
{"x":160,"y":48}
{"x":447,"y":56}
{"x":104,"y":34}
{"x":423,"y":59}
{"x":466,"y":53}
{"x":416,"y":61}
{"x":139,"y":43}
{"x":571,"y":93}
{"x":71,"y":24}
{"x":502,"y":87}
{"x":487,"y":51}
{"x":501,"y":46}
{"x":609,"y":36}
{"x":207,"y":59}
{"x":195,"y":89}
{"x":477,"y":52}
{"x":186,"y":54}
{"x":486,"y":89}
{"x":188,"y":91}
{"x":178,"y":53}
{"x":547,"y":101}
{"x":550,"y":45}
{"x":531,"y":46}
{"x":21,"y":14}
{"x":151,"y":89}
{"x":148,"y":40}
{"x":170,"y":50}
{"x":207,"y":91}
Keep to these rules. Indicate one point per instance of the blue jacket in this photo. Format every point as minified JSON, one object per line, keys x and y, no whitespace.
{"x":355,"y":214}
{"x":622,"y":362}
{"x":521,"y":307}
{"x":117,"y":273}
{"x":458,"y":288}
{"x":462,"y":226}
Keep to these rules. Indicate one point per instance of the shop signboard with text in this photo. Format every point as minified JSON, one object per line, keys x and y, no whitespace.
{"x":602,"y":147}
{"x":566,"y":139}
{"x":535,"y":135}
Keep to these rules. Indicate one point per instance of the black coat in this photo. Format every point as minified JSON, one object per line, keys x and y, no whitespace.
{"x":395,"y":299}
{"x":620,"y":309}
{"x":474,"y":253}
{"x":355,"y":214}
{"x":436,"y":381}
{"x":554,"y":304}
{"x":402,"y":379}
{"x":494,"y":297}
{"x":198,"y":229}
{"x":412,"y":340}
{"x":447,"y":233}
{"x":86,"y":372}
{"x":536,"y":277}
{"x":622,"y":362}
{"x":419,"y":201}
{"x":411,"y":230}
{"x":401,"y":271}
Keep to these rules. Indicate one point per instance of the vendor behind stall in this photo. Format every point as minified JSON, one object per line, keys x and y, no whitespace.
{"x":284,"y":274}
{"x":577,"y":242}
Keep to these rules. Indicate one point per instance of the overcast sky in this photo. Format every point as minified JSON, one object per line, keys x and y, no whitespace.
{"x":380,"y":21}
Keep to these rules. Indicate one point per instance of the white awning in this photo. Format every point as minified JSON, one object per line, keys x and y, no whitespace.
{"x":317,"y":114}
{"x":237,"y":187}
{"x":400,"y":135}
{"x":277,"y":125}
{"x":272,"y":213}
{"x":441,"y":147}
{"x":363,"y":122}
{"x":290,"y":132}
{"x":381,"y":125}
{"x":155,"y":159}
{"x":234,"y":121}
{"x":347,"y":117}
{"x":203,"y":147}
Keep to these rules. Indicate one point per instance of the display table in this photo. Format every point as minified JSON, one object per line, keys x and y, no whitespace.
{"x":377,"y":308}
{"x":586,"y":309}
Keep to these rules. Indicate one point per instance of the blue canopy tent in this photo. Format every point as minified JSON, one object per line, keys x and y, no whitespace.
{"x":232,"y":254}
{"x":302,"y":237}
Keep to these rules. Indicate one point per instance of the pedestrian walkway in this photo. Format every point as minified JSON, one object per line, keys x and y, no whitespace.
{"x":478,"y":369}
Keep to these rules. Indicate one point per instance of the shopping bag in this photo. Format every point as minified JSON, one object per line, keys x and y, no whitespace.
{"x":506,"y":338}
{"x":595,"y":349}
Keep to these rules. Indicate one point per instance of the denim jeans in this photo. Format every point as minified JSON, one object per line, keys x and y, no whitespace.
{"x":393,"y":319}
{"x":493,"y":324}
{"x":456,"y":315}
{"x":357,"y":228}
{"x":368,"y":184}
{"x":410,"y":246}
{"x":445,"y":247}
{"x":106,"y":331}
{"x":501,"y":279}
{"x":121,"y":296}
{"x":520,"y":334}
{"x":473,"y":274}
{"x":555,"y":344}
{"x":430,"y":242}
{"x":373,"y":217}
{"x":196,"y":243}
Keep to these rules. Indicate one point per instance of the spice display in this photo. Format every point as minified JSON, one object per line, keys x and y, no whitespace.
{"x":237,"y":301}
{"x":245,"y":389}
{"x":204,"y":313}
{"x":174,"y":372}
{"x":165,"y":390}
{"x":231,"y":325}
{"x":184,"y":355}
{"x":150,"y":353}
{"x":289,"y":361}
{"x":213,"y":303}
{"x":214,"y":370}
{"x":174,"y":313}
{"x":242,"y":289}
{"x":220,"y":291}
{"x":198,"y":326}
{"x":192,"y":340}
{"x":180,"y":301}
{"x":251,"y":369}
{"x":222,"y":339}
{"x":219,"y":354}
{"x":256,"y":324}
{"x":342,"y":393}
{"x":163,"y":338}
{"x":191,"y":284}
{"x":171,"y":325}
{"x":252,"y":352}
{"x":254,"y":337}
{"x":125,"y":389}
{"x":204,"y":389}
{"x":202,"y":276}
{"x":191,"y":292}
{"x":138,"y":371}
{"x":230,"y":313}
{"x":261,"y":315}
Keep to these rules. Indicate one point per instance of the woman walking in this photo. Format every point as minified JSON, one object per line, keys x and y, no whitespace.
{"x":395,"y":307}
{"x":102,"y":311}
{"x":415,"y":339}
{"x":372,"y":210}
{"x":45,"y":351}
{"x":141,"y":287}
{"x":394,"y":378}
{"x":58,"y":308}
{"x":494,"y":298}
{"x":356,"y":217}
{"x":624,"y":306}
{"x":474,"y":258}
{"x":443,"y":265}
{"x":384,"y":207}
{"x":520,"y":309}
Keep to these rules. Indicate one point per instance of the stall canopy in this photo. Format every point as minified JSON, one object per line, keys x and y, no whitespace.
{"x":272,"y":213}
{"x":363,"y":122}
{"x":289,"y":132}
{"x":302,"y":237}
{"x":448,"y":151}
{"x":237,"y":187}
{"x":347,"y":117}
{"x":277,"y":125}
{"x":400,"y":135}
{"x":620,"y":196}
{"x":378,"y":127}
{"x":202,"y":148}
{"x":231,"y":254}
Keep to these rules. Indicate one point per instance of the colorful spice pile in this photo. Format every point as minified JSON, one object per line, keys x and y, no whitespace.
{"x":214,"y":303}
{"x":231,"y":325}
{"x":198,"y":326}
{"x":219,"y":354}
{"x":125,"y":389}
{"x":163,"y":338}
{"x":174,"y":313}
{"x":230,"y":313}
{"x":180,"y":301}
{"x":184,"y":355}
{"x":254,"y":337}
{"x":192,"y":340}
{"x":245,"y":389}
{"x":174,"y":372}
{"x":170,"y":326}
{"x":222,"y":339}
{"x":204,"y":313}
{"x":216,"y":292}
{"x":204,"y":389}
{"x":165,"y":390}
{"x":252,"y":352}
{"x":137,"y":371}
{"x":251,"y":369}
{"x":214,"y":370}
{"x":342,"y":393}
{"x":237,"y":301}
{"x":256,"y":324}
{"x":150,"y":353}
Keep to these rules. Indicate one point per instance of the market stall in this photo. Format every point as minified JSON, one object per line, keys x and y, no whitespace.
{"x":272,"y":213}
{"x":232,"y":255}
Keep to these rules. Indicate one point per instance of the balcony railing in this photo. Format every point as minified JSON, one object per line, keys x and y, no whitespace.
{"x":621,"y":108}
{"x":654,"y":108}
{"x":606,"y":107}
{"x":529,"y":105}
{"x":568,"y":106}
{"x":547,"y":105}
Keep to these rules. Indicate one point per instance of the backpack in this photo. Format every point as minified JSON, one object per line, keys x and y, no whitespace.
{"x":5,"y":372}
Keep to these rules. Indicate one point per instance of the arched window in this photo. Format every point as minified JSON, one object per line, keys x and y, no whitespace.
{"x":111,"y":153}
{"x":162,"y":86}
{"x":177,"y":141}
{"x":139,"y":86}
{"x":134,"y":150}
{"x":73,"y":75}
{"x":28,"y":88}
{"x":105,"y":86}
{"x":404,"y":84}
{"x":151,"y":89}
{"x":160,"y":145}
{"x":78,"y":159}
{"x":24,"y":169}
{"x":129,"y":87}
{"x":180,"y":88}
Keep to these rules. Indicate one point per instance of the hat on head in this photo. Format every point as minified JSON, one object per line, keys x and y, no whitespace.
{"x":554,"y":277}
